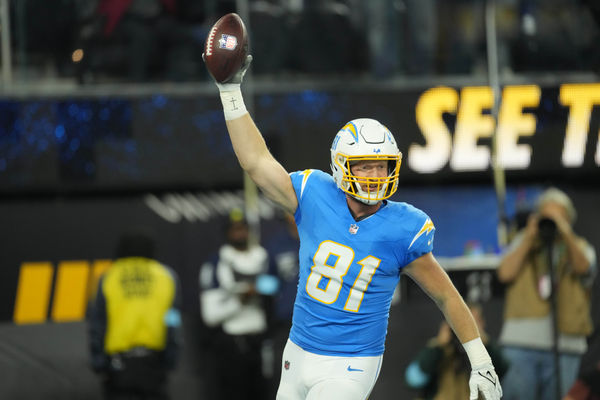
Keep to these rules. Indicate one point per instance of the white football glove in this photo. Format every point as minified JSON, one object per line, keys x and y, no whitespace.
{"x":484,"y":380}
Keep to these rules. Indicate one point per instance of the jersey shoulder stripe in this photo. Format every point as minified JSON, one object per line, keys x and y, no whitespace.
{"x":299,"y":180}
{"x":417,"y":230}
{"x":425,"y":229}
{"x":306,"y":173}
{"x":304,"y":181}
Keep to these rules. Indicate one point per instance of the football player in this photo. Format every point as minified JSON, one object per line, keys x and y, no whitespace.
{"x":353,"y":246}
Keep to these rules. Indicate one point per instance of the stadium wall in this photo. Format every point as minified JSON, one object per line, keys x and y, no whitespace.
{"x":54,"y":250}
{"x":75,"y":172}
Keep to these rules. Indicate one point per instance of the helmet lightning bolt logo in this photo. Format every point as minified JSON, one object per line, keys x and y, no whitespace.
{"x":350,"y":127}
{"x":426,"y":229}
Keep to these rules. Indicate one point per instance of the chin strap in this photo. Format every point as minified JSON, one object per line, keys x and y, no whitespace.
{"x":367,"y":202}
{"x":361,"y":192}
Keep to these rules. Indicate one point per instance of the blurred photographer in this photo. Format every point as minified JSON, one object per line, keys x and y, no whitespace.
{"x":548,"y":270}
{"x":441,"y":369}
{"x":587,"y":385}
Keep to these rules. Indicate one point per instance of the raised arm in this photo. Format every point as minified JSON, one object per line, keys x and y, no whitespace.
{"x":430,"y":276}
{"x":254,"y":158}
{"x":250,"y":147}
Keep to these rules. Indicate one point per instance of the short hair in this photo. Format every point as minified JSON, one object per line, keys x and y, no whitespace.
{"x":236,"y":215}
{"x":555,"y":195}
{"x":136,"y":243}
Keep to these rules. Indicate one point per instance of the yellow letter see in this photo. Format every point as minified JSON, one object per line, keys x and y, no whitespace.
{"x":512,"y":123}
{"x":471,"y":125}
{"x":429,"y":110}
{"x":580,"y":98}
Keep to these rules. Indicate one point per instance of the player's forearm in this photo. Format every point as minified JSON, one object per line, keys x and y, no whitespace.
{"x":427,"y":272}
{"x":248,"y":144}
{"x":461,"y":320}
{"x":459,"y":317}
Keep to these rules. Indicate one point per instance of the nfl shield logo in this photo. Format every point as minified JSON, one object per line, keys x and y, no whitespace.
{"x":353,"y":229}
{"x":227,"y":42}
{"x":286,"y":364}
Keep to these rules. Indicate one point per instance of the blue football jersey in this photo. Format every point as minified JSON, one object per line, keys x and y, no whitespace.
{"x":349,"y":269}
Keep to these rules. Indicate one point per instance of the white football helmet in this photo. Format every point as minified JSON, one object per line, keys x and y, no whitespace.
{"x":365,"y":139}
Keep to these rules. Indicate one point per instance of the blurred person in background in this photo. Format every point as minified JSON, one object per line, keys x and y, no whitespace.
{"x":233,"y":299}
{"x":556,"y":35}
{"x":354,"y":245}
{"x":528,"y":330}
{"x":422,"y":26}
{"x":383,"y":35}
{"x":284,"y":264}
{"x":135,"y":323}
{"x":155,"y":36}
{"x":461,"y":38}
{"x":341,"y":47}
{"x":441,"y":370}
{"x":587,"y":385}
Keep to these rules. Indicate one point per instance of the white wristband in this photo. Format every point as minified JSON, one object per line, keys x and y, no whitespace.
{"x":477,"y":353}
{"x":233,"y":102}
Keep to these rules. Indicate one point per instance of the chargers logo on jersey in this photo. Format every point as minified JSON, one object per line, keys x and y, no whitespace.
{"x":426,"y":229}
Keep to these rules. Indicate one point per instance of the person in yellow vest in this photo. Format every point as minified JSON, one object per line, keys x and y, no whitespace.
{"x":441,"y":370}
{"x":135,"y":323}
{"x":546,"y":260}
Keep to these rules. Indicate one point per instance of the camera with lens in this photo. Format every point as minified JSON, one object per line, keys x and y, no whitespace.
{"x":547,"y":229}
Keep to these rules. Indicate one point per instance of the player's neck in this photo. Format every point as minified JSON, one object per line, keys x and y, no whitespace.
{"x":360,"y":210}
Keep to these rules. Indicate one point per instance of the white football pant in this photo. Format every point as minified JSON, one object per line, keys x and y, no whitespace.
{"x":309,"y":376}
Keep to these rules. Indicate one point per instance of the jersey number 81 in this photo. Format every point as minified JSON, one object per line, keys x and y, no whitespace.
{"x":336,"y":273}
